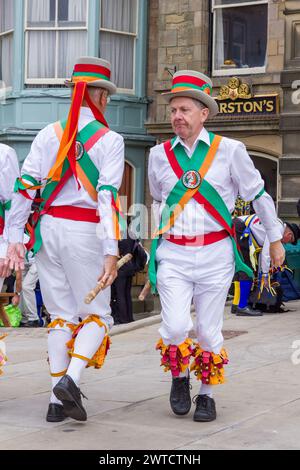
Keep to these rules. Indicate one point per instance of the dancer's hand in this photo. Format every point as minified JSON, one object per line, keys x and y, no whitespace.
{"x":110,"y":271}
{"x":4,"y":270}
{"x":15,"y":300}
{"x":15,"y":256}
{"x":277,"y":254}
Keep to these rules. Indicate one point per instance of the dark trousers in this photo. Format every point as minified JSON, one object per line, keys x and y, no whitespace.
{"x":243,"y":245}
{"x":121,"y":302}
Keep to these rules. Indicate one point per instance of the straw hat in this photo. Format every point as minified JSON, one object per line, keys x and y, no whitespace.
{"x":192,"y":84}
{"x":95,"y":72}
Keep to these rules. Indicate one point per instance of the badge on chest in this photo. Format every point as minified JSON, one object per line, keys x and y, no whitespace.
{"x":191,"y":179}
{"x":79,"y":150}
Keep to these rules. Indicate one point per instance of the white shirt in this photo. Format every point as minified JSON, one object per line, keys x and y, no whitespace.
{"x":107,"y":155}
{"x":9,"y":172}
{"x":231,"y":173}
{"x":258,"y":231}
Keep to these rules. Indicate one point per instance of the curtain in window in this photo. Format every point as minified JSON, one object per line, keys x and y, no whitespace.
{"x":219,"y":38}
{"x":119,"y":15}
{"x":42,"y":45}
{"x":72,"y":44}
{"x":119,"y":50}
{"x":6,"y":15}
{"x":6,"y":42}
{"x":38,"y":13}
{"x":6,"y":55}
{"x":41,"y":54}
{"x":77,"y":11}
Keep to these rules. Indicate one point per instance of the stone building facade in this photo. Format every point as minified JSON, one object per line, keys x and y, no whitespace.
{"x":185,"y":34}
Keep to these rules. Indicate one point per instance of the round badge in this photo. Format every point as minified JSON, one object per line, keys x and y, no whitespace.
{"x":191,"y":179}
{"x":79,"y":150}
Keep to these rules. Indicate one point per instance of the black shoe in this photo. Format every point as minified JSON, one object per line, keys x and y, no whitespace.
{"x":55,"y":413}
{"x":205,"y":408}
{"x":234,"y":308}
{"x":30,"y":324}
{"x":180,"y":398}
{"x":70,"y":395}
{"x":248,"y":312}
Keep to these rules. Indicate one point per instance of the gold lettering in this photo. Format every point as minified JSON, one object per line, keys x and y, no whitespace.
{"x":248,"y":107}
{"x":270,"y":107}
{"x":231,"y":108}
{"x":223,"y":108}
{"x":239,"y":105}
{"x":258,"y":107}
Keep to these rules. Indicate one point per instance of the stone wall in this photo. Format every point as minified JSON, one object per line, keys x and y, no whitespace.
{"x":179,"y":37}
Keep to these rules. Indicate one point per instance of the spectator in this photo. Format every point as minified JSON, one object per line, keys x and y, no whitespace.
{"x":30,"y":317}
{"x":121,"y":301}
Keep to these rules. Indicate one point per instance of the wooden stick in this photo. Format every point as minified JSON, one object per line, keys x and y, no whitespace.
{"x":18,"y":281}
{"x":6,"y":295}
{"x":94,"y":292}
{"x":146,"y":290}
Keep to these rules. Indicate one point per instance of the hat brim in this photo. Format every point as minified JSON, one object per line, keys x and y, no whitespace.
{"x":296,"y":232}
{"x":109,"y":86}
{"x":196,"y":95}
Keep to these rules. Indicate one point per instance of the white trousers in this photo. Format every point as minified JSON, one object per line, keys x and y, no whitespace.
{"x":69,"y":265}
{"x":28,"y":298}
{"x":199,"y":275}
{"x":3,"y":249}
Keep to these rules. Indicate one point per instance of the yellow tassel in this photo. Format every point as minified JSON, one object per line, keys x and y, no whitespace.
{"x":61,"y":323}
{"x":98,"y":359}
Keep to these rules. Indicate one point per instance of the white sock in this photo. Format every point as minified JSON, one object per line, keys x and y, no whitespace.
{"x":185,"y":373}
{"x":87,"y":343}
{"x":59,"y":358}
{"x":206,"y":390}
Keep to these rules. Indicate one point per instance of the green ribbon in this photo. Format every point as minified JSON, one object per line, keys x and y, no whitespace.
{"x":4,"y":206}
{"x":114,"y":191}
{"x":86,"y":164}
{"x":259,"y":194}
{"x":19,"y":185}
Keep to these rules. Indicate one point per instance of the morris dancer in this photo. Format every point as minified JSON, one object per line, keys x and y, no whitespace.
{"x":78,"y":165}
{"x":255,"y":247}
{"x":9,"y":172}
{"x":194,"y":180}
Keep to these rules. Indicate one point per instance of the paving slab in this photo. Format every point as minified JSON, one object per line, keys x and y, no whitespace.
{"x":128,"y":406}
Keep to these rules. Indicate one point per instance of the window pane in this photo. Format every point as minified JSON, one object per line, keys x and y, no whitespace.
{"x":41,"y":54}
{"x":6,"y":55}
{"x":120,"y":15}
{"x":119,"y":50}
{"x":40,"y":13}
{"x":73,"y":12}
{"x":232,"y":2}
{"x":6,"y":15}
{"x":72,"y":44}
{"x":241,"y":37}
